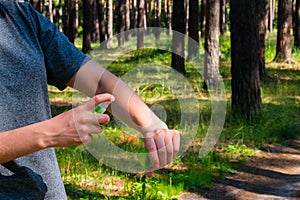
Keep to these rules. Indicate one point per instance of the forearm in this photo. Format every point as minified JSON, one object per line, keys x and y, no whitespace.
{"x":128,"y":107}
{"x":22,"y":141}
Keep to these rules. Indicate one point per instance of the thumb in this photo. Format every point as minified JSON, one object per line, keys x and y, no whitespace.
{"x":97,"y":99}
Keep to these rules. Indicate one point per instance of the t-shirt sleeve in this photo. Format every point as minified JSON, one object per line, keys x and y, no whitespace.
{"x":62,"y":58}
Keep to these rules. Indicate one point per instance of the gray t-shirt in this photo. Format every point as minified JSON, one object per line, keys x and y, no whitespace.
{"x":33,"y":53}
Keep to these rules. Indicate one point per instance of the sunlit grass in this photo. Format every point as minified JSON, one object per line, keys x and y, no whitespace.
{"x":87,"y":178}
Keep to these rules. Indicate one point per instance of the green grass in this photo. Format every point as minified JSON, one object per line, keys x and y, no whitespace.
{"x":87,"y":178}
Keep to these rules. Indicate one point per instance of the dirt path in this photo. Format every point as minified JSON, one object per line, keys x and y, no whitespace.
{"x":273,"y":174}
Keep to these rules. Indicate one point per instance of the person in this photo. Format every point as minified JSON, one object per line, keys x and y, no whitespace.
{"x":34,"y":54}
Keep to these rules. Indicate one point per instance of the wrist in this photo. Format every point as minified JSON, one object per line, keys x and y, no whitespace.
{"x":154,"y":125}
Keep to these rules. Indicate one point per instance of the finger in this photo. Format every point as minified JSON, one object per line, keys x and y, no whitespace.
{"x":169,"y":147}
{"x":94,"y":101}
{"x":176,"y":142}
{"x":86,"y":138}
{"x":152,"y":151}
{"x":162,"y":153}
{"x":102,"y":118}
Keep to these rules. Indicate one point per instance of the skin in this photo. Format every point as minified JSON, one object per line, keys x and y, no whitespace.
{"x":66,"y":130}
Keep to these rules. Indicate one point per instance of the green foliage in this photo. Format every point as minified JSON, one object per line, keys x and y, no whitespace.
{"x":87,"y":178}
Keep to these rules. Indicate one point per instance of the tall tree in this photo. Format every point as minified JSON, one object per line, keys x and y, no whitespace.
{"x":60,"y":15}
{"x":179,"y":26}
{"x":50,"y":10}
{"x":141,"y":25}
{"x":120,"y":7}
{"x":211,"y":45}
{"x":38,"y":5}
{"x":101,"y":24}
{"x":148,"y":15}
{"x":168,"y":15}
{"x":127,"y":19}
{"x":193,"y":28}
{"x":86,"y":39}
{"x":94,"y":26}
{"x":223,"y":14}
{"x":109,"y":5}
{"x":71,"y":19}
{"x":203,"y":17}
{"x":283,"y":46}
{"x":271,"y":14}
{"x":157,"y":18}
{"x":297,"y":25}
{"x":262,"y":15}
{"x":245,"y":83}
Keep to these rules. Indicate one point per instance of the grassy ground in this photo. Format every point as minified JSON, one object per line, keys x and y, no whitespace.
{"x":87,"y":178}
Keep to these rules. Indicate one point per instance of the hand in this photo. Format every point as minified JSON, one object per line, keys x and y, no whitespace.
{"x":162,"y":145}
{"x":76,"y":126}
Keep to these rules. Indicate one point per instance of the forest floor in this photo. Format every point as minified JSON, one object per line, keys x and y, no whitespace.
{"x":274,"y":173}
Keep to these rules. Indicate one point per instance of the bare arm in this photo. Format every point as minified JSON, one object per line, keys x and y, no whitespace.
{"x":60,"y":131}
{"x":162,"y":143}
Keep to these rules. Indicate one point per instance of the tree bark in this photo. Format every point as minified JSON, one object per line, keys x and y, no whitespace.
{"x":168,"y":16}
{"x":148,"y":14}
{"x":211,"y":45}
{"x":203,"y":17}
{"x":70,"y":20}
{"x":101,"y":24}
{"x":157,"y":18}
{"x":109,"y":22}
{"x":95,"y":35}
{"x":50,"y":10}
{"x":121,"y":22}
{"x":245,"y":83}
{"x":134,"y":16}
{"x":283,"y":46}
{"x":141,"y":21}
{"x":60,"y":15}
{"x":86,"y":40}
{"x":38,"y":5}
{"x":193,"y":28}
{"x":262,"y":15}
{"x":179,"y":26}
{"x":223,"y":14}
{"x":127,"y":20}
{"x":271,"y":15}
{"x":297,"y":25}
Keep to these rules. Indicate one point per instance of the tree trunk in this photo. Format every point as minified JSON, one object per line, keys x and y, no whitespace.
{"x":157,"y":18}
{"x":297,"y":25}
{"x":141,"y":21}
{"x":50,"y":10}
{"x":86,"y":40}
{"x":148,"y":13}
{"x":262,"y":15}
{"x":134,"y":16}
{"x":245,"y":83}
{"x":101,"y":24}
{"x":271,"y":15}
{"x":120,"y":7}
{"x":168,"y":16}
{"x":283,"y":46}
{"x":211,"y":45}
{"x":223,"y":15}
{"x":193,"y":29}
{"x":38,"y":5}
{"x":203,"y":17}
{"x":70,"y":24}
{"x":127,"y":19}
{"x":179,"y":26}
{"x":60,"y":15}
{"x":109,"y":22}
{"x":95,"y":35}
